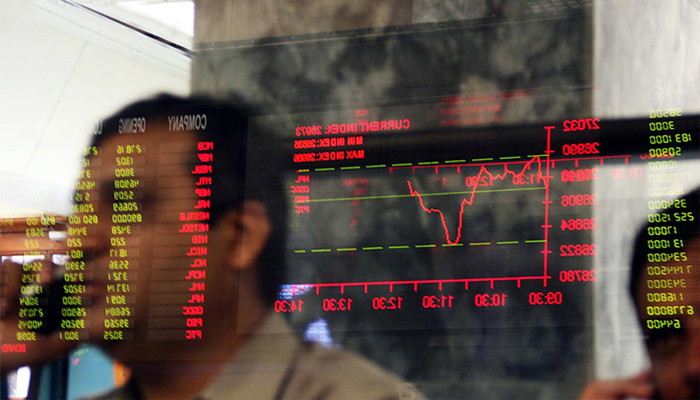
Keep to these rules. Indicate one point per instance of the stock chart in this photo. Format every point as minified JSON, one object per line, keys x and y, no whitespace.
{"x":408,"y":225}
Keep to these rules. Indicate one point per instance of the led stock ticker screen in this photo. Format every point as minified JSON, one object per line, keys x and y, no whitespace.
{"x":414,"y":227}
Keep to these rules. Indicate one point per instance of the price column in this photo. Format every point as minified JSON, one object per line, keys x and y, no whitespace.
{"x":670,"y":266}
{"x":75,"y":299}
{"x":126,"y":220}
{"x":33,"y":296}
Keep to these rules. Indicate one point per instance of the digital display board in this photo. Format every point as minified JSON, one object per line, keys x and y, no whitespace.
{"x":499,"y":218}
{"x":396,"y":225}
{"x":450,"y":239}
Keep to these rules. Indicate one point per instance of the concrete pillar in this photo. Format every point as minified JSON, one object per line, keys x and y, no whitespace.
{"x":232,"y":20}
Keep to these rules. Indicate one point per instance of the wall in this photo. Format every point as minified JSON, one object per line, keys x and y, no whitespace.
{"x":225,"y":20}
{"x":646,"y":57}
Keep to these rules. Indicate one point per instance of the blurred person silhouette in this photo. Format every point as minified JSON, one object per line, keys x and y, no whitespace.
{"x":665,"y":289}
{"x":247,"y":350}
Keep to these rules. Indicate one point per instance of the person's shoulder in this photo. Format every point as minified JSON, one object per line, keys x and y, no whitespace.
{"x":336,"y":374}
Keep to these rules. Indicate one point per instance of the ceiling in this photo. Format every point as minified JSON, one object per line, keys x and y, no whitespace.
{"x":170,"y":20}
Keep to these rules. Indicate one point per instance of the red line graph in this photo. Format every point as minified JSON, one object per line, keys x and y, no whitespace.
{"x":543,"y":166}
{"x":483,"y":172}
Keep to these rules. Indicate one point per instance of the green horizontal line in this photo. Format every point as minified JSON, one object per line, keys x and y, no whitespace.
{"x":398,"y":196}
{"x":418,"y":246}
{"x":423,"y":163}
{"x":392,"y":196}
